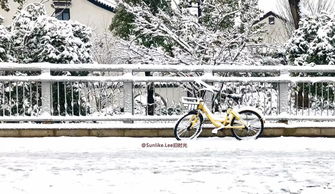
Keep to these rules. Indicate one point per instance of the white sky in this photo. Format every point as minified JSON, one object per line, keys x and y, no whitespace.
{"x":267,"y":5}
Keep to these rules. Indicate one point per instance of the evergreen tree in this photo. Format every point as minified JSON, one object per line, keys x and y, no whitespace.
{"x":123,"y":23}
{"x":313,"y":42}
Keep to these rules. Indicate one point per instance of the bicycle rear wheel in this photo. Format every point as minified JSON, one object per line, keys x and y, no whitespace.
{"x":253,"y":125}
{"x":188,"y":126}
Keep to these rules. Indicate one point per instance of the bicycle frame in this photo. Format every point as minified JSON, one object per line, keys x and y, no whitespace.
{"x":222,"y":123}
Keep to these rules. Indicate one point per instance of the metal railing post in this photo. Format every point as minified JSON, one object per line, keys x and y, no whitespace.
{"x":46,"y":93}
{"x":208,"y":98}
{"x":283,"y":101}
{"x":128,"y":99}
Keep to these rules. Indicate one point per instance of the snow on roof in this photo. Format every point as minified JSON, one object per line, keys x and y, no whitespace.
{"x":271,"y":13}
{"x":110,"y":3}
{"x":105,"y":4}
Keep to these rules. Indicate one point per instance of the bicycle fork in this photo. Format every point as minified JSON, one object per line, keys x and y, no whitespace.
{"x":232,"y":114}
{"x":194,"y":120}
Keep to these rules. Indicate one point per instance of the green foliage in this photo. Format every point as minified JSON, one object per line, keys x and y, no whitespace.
{"x":123,"y":23}
{"x":215,"y":20}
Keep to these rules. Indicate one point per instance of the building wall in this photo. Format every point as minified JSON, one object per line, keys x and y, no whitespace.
{"x":82,"y":11}
{"x":276,"y":33}
{"x":87,"y":13}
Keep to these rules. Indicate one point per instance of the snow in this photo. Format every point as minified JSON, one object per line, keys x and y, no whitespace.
{"x":312,"y":42}
{"x":110,"y":3}
{"x":207,"y":165}
{"x":138,"y":67}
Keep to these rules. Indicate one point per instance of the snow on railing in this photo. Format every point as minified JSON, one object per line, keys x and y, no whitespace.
{"x":94,"y":92}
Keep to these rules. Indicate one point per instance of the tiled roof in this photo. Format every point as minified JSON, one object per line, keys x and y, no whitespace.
{"x":270,"y":13}
{"x":105,"y":4}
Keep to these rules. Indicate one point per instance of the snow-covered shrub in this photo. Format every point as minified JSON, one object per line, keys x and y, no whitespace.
{"x":41,"y":38}
{"x":314,"y":41}
{"x":313,"y":44}
{"x":36,"y":37}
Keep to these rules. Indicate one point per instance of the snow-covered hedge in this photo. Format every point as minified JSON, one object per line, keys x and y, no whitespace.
{"x":40,"y":38}
{"x":36,"y":37}
{"x":314,"y":41}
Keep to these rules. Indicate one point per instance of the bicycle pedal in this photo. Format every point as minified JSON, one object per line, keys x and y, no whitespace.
{"x":215,"y":130}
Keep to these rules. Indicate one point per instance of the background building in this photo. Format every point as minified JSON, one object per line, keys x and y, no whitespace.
{"x":275,"y":27}
{"x":97,"y":14}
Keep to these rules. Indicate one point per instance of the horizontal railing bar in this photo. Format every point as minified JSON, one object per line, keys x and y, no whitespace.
{"x":164,"y":79}
{"x":108,"y":126}
{"x":162,"y":68}
{"x":126,"y":118}
{"x":88,"y":118}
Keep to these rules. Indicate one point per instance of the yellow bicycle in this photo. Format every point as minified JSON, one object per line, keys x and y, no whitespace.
{"x":244,"y":124}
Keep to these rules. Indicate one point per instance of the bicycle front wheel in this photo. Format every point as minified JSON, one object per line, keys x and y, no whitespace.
{"x":188,"y":126}
{"x":252,"y":125}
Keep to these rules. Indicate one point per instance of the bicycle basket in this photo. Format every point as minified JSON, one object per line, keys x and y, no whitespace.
{"x":190,"y":103}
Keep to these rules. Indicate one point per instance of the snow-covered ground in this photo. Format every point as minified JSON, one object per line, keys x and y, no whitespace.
{"x":153,"y":165}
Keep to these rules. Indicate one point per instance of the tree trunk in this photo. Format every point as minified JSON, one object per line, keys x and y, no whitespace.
{"x":150,"y":97}
{"x":295,"y":11}
{"x":199,"y":8}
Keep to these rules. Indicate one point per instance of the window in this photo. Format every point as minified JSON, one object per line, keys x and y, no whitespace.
{"x":62,"y":13}
{"x":271,"y":20}
{"x":61,"y":3}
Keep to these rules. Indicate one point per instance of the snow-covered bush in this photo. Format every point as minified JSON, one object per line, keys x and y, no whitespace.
{"x":36,"y":37}
{"x":41,"y":38}
{"x":314,"y":41}
{"x":313,"y":44}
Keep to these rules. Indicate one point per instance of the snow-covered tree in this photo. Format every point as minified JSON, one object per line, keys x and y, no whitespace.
{"x":35,"y":37}
{"x":216,"y":33}
{"x":313,"y":42}
{"x":294,"y":10}
{"x":218,"y":36}
{"x":41,"y":38}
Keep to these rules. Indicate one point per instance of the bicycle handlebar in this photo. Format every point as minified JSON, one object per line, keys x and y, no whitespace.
{"x":208,"y":87}
{"x":215,"y":90}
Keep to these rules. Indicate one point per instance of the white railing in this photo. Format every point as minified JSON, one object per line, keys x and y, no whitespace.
{"x":45,"y":93}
